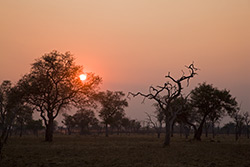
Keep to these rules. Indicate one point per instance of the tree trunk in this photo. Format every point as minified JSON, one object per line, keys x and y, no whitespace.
{"x":158,"y":135}
{"x":168,"y":132}
{"x":247,"y":131}
{"x":1,"y":147}
{"x":181,"y":128}
{"x":49,"y":130}
{"x":82,"y":130}
{"x":69,"y":131}
{"x":106,"y":130}
{"x":236,"y":132}
{"x":172,"y":129}
{"x":206,"y":128}
{"x":21,"y":130}
{"x":198,"y":133}
{"x":213,"y":130}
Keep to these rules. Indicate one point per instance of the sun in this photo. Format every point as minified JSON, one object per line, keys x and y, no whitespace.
{"x":83,"y":77}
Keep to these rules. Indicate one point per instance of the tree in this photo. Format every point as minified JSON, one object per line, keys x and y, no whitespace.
{"x":228,"y":128}
{"x":69,"y":122}
{"x":247,"y":121}
{"x":112,"y":105}
{"x":156,"y":120}
{"x":54,"y":84}
{"x":84,"y":118}
{"x":166,"y":95}
{"x":22,"y":118}
{"x":34,"y":126}
{"x":11,"y":103}
{"x":207,"y":101}
{"x":117,"y":123}
{"x":238,"y":121}
{"x":6,"y":116}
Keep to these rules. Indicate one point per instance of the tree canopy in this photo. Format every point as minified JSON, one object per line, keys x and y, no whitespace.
{"x":208,"y":101}
{"x":112,"y":106}
{"x":53,"y":84}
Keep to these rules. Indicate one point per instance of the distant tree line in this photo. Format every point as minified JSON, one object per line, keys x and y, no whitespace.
{"x":53,"y":86}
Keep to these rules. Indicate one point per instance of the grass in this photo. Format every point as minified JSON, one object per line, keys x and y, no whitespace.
{"x":124,"y":151}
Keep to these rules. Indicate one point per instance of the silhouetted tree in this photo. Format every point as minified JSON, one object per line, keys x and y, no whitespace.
{"x":238,"y":121}
{"x":134,"y":125}
{"x":69,"y":122}
{"x":35,"y":126}
{"x":117,"y":124}
{"x":247,"y":121}
{"x":84,"y":118}
{"x":125,"y":123}
{"x":165,"y":96}
{"x":208,"y":101}
{"x":22,"y":118}
{"x":11,"y":103}
{"x":228,"y":128}
{"x":156,"y":121}
{"x":112,"y":104}
{"x":54,"y":84}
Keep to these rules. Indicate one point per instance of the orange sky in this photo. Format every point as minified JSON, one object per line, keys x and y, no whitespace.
{"x":132,"y":44}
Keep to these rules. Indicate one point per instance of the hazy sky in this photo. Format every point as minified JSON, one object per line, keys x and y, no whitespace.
{"x":133,"y":44}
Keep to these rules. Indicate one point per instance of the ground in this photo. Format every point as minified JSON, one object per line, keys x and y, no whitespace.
{"x":125,"y":151}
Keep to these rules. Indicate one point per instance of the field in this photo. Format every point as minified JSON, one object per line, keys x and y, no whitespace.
{"x":125,"y":151}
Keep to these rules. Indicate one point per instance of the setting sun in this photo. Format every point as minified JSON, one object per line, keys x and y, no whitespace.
{"x":83,"y":77}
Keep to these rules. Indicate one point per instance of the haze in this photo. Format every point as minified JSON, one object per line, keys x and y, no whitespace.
{"x":133,"y":44}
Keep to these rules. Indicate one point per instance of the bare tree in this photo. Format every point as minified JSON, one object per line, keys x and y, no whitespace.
{"x":165,"y":96}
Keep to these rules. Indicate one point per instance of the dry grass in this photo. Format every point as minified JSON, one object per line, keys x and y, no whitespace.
{"x":125,"y":151}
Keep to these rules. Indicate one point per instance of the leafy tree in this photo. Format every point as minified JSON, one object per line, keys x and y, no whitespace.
{"x":69,"y":122}
{"x":207,"y":101}
{"x":166,"y":95}
{"x":117,"y":124}
{"x":6,"y":115}
{"x":11,"y":104}
{"x":84,"y":118}
{"x":125,"y":123}
{"x":134,"y":125}
{"x":112,"y":106}
{"x":54,"y":84}
{"x":34,"y":126}
{"x":22,"y":118}
{"x":228,"y":128}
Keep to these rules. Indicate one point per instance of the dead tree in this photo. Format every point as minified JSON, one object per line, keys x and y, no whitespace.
{"x":166,"y":95}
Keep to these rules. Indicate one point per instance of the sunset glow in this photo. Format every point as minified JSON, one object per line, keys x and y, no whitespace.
{"x":133,"y":44}
{"x":83,"y":77}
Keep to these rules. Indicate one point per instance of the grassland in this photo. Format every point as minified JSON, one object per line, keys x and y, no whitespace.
{"x":124,"y":151}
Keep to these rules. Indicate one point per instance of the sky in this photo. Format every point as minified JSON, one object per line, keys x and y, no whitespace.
{"x":133,"y":44}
